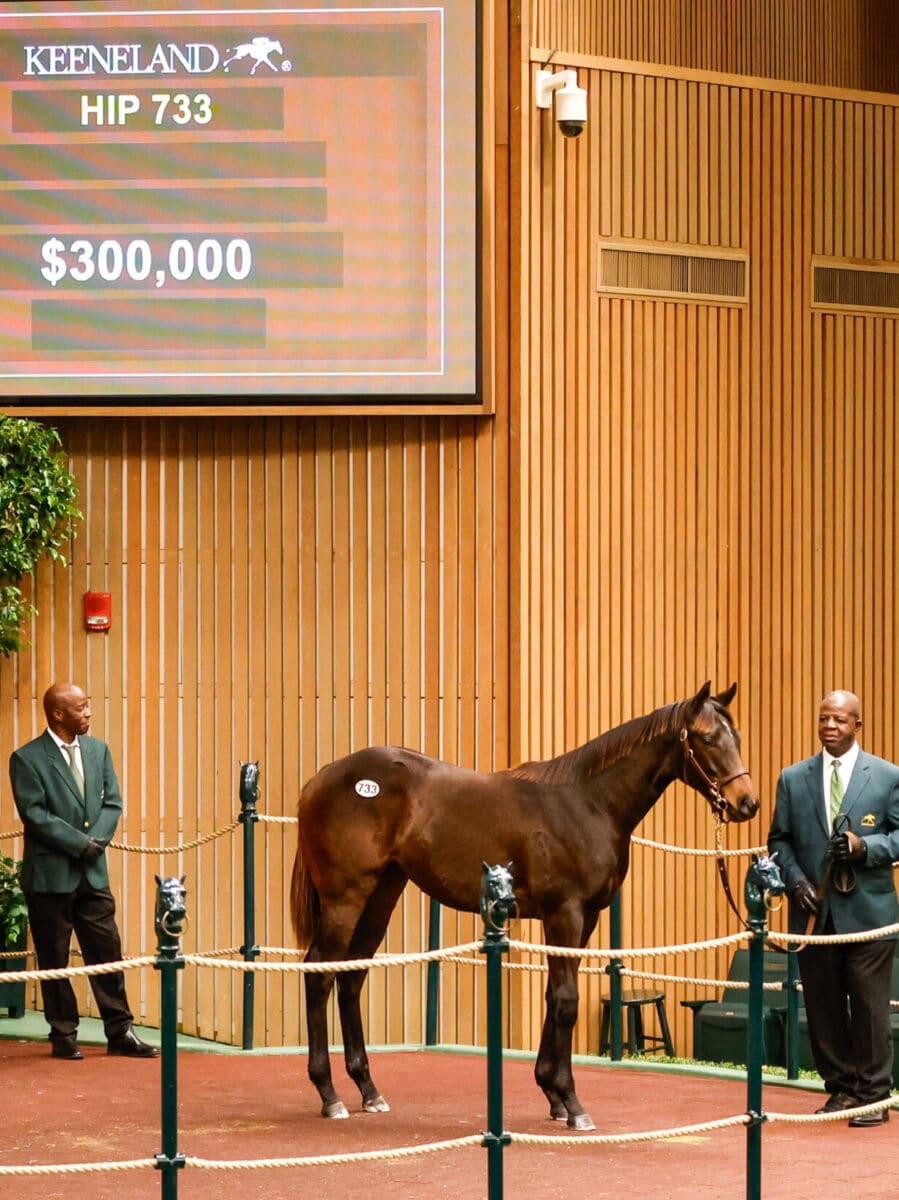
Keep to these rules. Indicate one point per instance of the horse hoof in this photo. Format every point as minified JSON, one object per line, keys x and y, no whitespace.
{"x":583,"y":1122}
{"x":375,"y":1105}
{"x":558,"y":1112}
{"x":336,"y":1111}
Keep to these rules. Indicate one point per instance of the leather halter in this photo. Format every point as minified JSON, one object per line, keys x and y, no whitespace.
{"x":715,"y":785}
{"x":719,"y":808}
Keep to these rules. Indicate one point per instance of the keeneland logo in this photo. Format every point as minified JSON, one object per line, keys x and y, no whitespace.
{"x":135,"y":58}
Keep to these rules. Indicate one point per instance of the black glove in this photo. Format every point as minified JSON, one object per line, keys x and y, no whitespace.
{"x":847,"y":847}
{"x":92,"y":851}
{"x":805,"y":896}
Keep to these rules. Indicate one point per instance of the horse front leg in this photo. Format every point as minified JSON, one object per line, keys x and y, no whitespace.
{"x":544,"y":1070}
{"x":555,"y":1075}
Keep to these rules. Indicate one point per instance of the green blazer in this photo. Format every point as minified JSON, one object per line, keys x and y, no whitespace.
{"x":58,"y":822}
{"x":800,"y":834}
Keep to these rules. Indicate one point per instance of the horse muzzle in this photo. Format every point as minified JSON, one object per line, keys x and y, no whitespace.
{"x":740,"y":800}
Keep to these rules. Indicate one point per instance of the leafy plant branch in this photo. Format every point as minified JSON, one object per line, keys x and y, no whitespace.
{"x":37,"y":510}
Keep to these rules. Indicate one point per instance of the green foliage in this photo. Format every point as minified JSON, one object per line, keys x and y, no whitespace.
{"x":37,"y":508}
{"x":13,"y":913}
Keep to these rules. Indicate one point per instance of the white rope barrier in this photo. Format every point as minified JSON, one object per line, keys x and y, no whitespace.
{"x":326,"y":1160}
{"x":622,"y":1139}
{"x":843,"y":1115}
{"x":731,"y":939}
{"x":147,"y":960}
{"x":692,"y":851}
{"x":333,"y":968}
{"x":79,"y":1168}
{"x":458,"y":954}
{"x":272,"y":819}
{"x":198,"y":841}
{"x":692,"y":979}
{"x":832,"y":939}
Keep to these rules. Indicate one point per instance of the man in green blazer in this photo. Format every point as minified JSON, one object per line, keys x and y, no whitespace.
{"x":68,"y":797}
{"x":835,"y":831}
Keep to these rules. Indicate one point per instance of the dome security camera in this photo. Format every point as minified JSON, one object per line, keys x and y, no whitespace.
{"x":571,"y":110}
{"x":571,"y":100}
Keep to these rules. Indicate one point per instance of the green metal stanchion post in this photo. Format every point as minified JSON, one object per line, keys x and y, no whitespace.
{"x":433,"y":975}
{"x":170,"y":918}
{"x":497,"y":903}
{"x":249,"y":784}
{"x":792,"y":1036}
{"x":763,"y":880}
{"x":613,"y":970}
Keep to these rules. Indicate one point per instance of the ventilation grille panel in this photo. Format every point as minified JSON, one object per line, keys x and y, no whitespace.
{"x":850,"y":286}
{"x":663,"y":272}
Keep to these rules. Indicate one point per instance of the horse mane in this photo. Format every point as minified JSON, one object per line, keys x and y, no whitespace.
{"x":604,"y":751}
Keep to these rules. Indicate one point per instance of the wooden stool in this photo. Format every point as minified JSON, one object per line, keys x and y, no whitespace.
{"x":632,"y":1003}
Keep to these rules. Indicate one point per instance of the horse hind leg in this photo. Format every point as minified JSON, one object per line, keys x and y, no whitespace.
{"x":330,"y":943}
{"x":367,"y":937}
{"x":318,"y":991}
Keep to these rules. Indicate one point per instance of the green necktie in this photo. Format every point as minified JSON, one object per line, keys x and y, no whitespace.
{"x":836,"y":789}
{"x":73,"y":767}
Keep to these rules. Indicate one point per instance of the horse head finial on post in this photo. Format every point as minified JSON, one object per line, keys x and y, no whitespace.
{"x":249,"y":788}
{"x":171,"y":911}
{"x":763,"y":882}
{"x":498,"y":904}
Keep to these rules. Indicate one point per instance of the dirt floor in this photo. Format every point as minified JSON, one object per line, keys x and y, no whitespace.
{"x":260,"y":1105}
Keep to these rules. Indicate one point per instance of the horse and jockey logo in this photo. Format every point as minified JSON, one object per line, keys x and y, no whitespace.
{"x":260,"y":50}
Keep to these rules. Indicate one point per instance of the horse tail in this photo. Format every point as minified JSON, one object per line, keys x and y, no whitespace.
{"x":304,"y":901}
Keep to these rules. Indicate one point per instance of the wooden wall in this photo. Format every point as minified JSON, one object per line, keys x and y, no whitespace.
{"x":662,"y":497}
{"x":708,"y":489}
{"x":283,"y":590}
{"x":836,"y":43}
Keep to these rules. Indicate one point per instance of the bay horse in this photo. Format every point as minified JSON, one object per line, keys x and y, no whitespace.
{"x":375,"y":819}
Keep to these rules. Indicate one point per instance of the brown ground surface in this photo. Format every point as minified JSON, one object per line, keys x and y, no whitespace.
{"x":256,"y":1106}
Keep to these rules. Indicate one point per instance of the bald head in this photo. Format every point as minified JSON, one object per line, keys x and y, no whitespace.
{"x":68,"y":710}
{"x":847,"y":700}
{"x":839,"y":721}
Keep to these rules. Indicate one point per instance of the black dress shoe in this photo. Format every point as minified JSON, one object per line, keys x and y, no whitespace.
{"x":837,"y":1102}
{"x":130,"y":1045}
{"x":865,"y":1120}
{"x":66,"y":1048}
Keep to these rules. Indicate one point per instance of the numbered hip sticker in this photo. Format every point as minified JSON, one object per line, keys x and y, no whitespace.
{"x":367,"y":788}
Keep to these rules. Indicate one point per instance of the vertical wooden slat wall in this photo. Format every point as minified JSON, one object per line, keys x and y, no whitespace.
{"x":283,"y":590}
{"x":839,"y":43}
{"x":708,"y":489}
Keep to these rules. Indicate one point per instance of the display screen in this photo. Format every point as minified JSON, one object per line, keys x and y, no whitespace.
{"x":239,"y":203}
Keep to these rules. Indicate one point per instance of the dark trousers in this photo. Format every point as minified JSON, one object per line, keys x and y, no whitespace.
{"x":846,"y":989}
{"x":89,"y":914}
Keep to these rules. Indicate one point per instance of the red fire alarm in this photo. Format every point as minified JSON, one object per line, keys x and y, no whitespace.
{"x":97,"y":611}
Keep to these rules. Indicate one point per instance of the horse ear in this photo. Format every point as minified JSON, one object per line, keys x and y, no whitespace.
{"x":701,"y":696}
{"x":158,"y":880}
{"x":183,"y":877}
{"x":725,"y":698}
